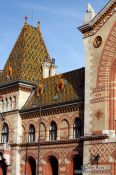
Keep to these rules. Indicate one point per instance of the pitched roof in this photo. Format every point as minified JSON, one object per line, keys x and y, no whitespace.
{"x":25,"y":60}
{"x":60,"y":89}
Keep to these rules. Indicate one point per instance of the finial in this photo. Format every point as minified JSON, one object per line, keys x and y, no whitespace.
{"x":89,"y":8}
{"x":38,"y":22}
{"x":26,"y":19}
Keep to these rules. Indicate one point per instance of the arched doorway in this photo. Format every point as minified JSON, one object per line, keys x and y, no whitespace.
{"x":3,"y":167}
{"x":53,"y":166}
{"x":30,"y":166}
{"x":77,"y":163}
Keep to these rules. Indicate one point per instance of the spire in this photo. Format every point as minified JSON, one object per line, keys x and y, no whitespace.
{"x":90,"y":14}
{"x":38,"y":26}
{"x":25,"y":23}
{"x":38,"y":22}
{"x":26,"y":19}
{"x":89,"y":8}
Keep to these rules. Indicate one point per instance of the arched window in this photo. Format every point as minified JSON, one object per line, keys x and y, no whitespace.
{"x":42,"y":131}
{"x":77,"y":128}
{"x":64,"y":130}
{"x":53,"y":131}
{"x":31,"y":134}
{"x":10,"y":105}
{"x":5,"y":133}
{"x":14,"y":102}
{"x":6,"y":104}
{"x":2,"y":104}
{"x":23,"y":134}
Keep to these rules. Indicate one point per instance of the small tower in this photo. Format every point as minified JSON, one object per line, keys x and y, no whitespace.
{"x":46,"y":68}
{"x":90,"y":14}
{"x":53,"y":68}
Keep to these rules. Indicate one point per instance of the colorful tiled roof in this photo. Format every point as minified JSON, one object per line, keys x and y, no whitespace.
{"x":60,"y":89}
{"x":25,"y":60}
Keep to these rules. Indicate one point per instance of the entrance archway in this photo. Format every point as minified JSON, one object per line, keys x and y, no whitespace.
{"x":77,"y":163}
{"x":30,"y":166}
{"x":3,"y":168}
{"x":53,"y":163}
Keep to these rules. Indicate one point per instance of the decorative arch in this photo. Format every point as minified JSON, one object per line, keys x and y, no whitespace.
{"x":75,"y":115}
{"x":107,"y":58}
{"x":29,"y":154}
{"x":31,"y":134}
{"x":51,"y":167}
{"x":10,"y":103}
{"x":5,"y":133}
{"x":2,"y":124}
{"x":53,"y":129}
{"x":64,"y":130}
{"x":29,"y":167}
{"x":14,"y":102}
{"x":31,"y":122}
{"x":53,"y":118}
{"x":106,"y":75}
{"x":112,"y":95}
{"x":42,"y":131}
{"x":51,"y":153}
{"x":75,"y":162}
{"x":77,"y":127}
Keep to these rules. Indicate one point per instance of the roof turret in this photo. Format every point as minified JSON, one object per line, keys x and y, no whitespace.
{"x":26,"y":57}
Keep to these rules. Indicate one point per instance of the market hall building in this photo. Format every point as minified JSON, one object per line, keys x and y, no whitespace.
{"x":60,"y":124}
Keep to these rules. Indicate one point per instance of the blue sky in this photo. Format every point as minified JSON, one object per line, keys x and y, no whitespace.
{"x":59,"y":21}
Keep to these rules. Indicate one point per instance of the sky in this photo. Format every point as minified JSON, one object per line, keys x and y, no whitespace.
{"x":59,"y":20}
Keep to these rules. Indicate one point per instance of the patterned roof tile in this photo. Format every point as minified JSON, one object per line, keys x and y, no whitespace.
{"x":26,"y":57}
{"x":62,"y":88}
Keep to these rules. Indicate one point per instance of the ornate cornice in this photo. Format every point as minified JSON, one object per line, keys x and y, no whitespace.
{"x":63,"y":108}
{"x":16,"y":86}
{"x":57,"y":142}
{"x":99,"y":20}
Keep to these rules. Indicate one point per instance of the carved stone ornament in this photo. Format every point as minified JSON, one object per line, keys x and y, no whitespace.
{"x":9,"y":70}
{"x":98,"y":114}
{"x":60,"y":85}
{"x":39,"y":89}
{"x":97,"y":41}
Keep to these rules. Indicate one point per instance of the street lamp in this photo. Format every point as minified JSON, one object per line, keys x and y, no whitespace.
{"x":39,"y":93}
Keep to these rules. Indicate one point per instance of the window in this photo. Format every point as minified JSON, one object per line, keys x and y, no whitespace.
{"x":53,"y":131}
{"x":42,"y":131}
{"x":2,"y":105}
{"x":6,"y":104}
{"x":5,"y":133}
{"x":23,"y":134}
{"x":31,"y":134}
{"x":14,"y":102}
{"x":10,"y":105}
{"x":77,"y":128}
{"x":64,"y":130}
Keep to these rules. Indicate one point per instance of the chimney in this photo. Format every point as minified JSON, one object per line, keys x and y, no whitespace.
{"x":53,"y":68}
{"x":46,"y":68}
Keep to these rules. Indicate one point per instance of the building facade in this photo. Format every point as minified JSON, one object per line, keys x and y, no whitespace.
{"x":61,"y":124}
{"x":99,"y":37}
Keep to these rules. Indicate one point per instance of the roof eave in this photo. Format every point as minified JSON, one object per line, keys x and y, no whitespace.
{"x":89,"y":26}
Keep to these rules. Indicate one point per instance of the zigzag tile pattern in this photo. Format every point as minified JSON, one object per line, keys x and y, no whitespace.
{"x":27,"y":56}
